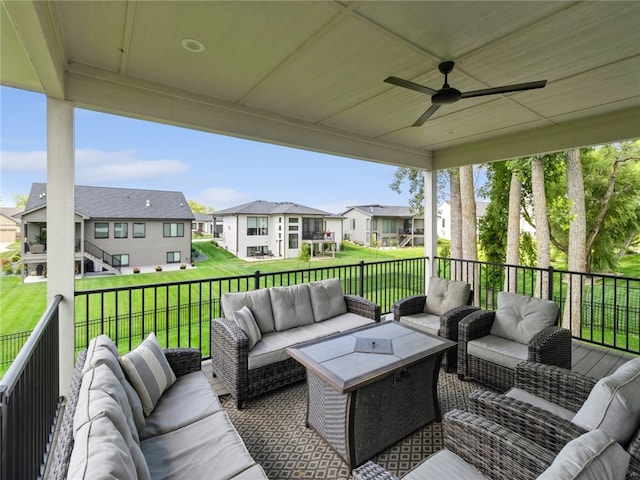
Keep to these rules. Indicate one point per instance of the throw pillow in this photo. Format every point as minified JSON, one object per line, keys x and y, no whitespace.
{"x":246,"y":322}
{"x":443,"y":295}
{"x":520,"y":317}
{"x":148,"y":371}
{"x":327,"y":299}
{"x":592,"y":456}
{"x":259,"y":301}
{"x":614,"y":404}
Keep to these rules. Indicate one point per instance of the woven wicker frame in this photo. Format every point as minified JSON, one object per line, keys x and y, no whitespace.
{"x":230,"y":357}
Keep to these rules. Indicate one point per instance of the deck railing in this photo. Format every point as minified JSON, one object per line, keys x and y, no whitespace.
{"x":29,"y":401}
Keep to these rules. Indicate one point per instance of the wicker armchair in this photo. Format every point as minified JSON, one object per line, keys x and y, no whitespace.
{"x":487,"y":355}
{"x":412,"y":311}
{"x":561,"y":387}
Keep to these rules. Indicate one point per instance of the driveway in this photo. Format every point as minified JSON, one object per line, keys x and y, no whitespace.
{"x":3,"y":246}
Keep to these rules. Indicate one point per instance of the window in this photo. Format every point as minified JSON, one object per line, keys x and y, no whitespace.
{"x":101,"y":230}
{"x":293,"y":240}
{"x":257,"y":251}
{"x":293,"y":220}
{"x":120,"y":230}
{"x":353,"y":224}
{"x":368,"y":225}
{"x":257,"y":226}
{"x":121,"y":260}
{"x":389,"y":225}
{"x":293,"y":228}
{"x":139,"y":230}
{"x":173,"y":229}
{"x":173,"y":257}
{"x":194,"y":226}
{"x":374,"y":224}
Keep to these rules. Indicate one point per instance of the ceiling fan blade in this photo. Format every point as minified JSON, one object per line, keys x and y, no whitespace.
{"x":506,"y":89}
{"x":399,"y":82}
{"x":425,"y":116}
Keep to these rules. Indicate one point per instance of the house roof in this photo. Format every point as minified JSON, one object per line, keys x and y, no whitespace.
{"x":111,"y":202}
{"x":9,"y":213}
{"x":261,"y":207}
{"x":384,"y":210}
{"x":203,"y":217}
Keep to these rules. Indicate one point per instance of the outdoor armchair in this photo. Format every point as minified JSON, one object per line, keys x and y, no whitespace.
{"x":492,"y":343}
{"x":479,"y":449}
{"x":438,"y":312}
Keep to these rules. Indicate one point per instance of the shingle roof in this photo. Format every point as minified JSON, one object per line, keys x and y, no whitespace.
{"x":9,"y":212}
{"x":260,"y":207}
{"x":110,"y":202}
{"x":384,"y":210}
{"x":203,"y":217}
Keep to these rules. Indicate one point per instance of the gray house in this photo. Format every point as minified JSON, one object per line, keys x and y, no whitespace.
{"x":388,"y":225}
{"x":114,"y":228}
{"x":277,"y":229}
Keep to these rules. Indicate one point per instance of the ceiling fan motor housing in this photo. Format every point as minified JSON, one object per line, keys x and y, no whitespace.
{"x":446,"y":95}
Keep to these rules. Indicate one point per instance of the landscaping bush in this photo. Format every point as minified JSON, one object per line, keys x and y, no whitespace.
{"x":7,"y":269}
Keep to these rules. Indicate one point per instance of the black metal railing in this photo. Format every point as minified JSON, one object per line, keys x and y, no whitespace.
{"x":29,"y":401}
{"x":97,"y":252}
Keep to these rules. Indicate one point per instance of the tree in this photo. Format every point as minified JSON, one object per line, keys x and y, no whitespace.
{"x":513,"y":230}
{"x":21,"y":200}
{"x":456,"y":213}
{"x":199,"y":208}
{"x":469,"y":232}
{"x":543,"y":240}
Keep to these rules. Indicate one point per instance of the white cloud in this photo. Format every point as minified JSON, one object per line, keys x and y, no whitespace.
{"x":221,"y":198}
{"x":35,"y":161}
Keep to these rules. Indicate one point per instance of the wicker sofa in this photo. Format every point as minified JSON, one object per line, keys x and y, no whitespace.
{"x":492,"y":343}
{"x":438,"y":312}
{"x":107,"y":430}
{"x":252,"y":360}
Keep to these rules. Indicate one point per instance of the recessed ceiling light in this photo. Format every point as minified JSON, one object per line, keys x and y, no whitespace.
{"x":192,"y":45}
{"x":451,"y":132}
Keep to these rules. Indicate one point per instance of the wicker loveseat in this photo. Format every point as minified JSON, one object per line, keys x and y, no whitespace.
{"x":492,"y":343}
{"x":108,"y":430}
{"x":249,"y":345}
{"x":438,"y":312}
{"x":479,"y":449}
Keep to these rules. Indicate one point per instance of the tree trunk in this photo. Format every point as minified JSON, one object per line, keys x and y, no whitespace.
{"x":513,"y":232}
{"x":577,"y":238}
{"x":469,"y":230}
{"x":456,"y":214}
{"x":542,"y":226}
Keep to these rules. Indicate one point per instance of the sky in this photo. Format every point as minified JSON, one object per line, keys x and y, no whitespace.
{"x":213,"y":170}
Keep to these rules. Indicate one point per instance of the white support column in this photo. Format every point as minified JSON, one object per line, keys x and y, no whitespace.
{"x":61,"y":227}
{"x":430,"y":220}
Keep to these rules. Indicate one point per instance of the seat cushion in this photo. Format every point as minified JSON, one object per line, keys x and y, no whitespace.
{"x":188,"y":400}
{"x":539,"y":402}
{"x":346,"y":321}
{"x":247,"y":323}
{"x":148,"y":371}
{"x":197,"y":450}
{"x":426,"y":322}
{"x":327,"y":299}
{"x":259,"y":301}
{"x":291,"y":306}
{"x":592,"y":456}
{"x":498,"y":350}
{"x":443,"y":295}
{"x":443,"y":464}
{"x":271,"y":349}
{"x":520,"y":317}
{"x":614,"y":404}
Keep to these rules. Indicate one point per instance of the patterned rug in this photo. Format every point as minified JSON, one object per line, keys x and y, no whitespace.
{"x":273,"y":429}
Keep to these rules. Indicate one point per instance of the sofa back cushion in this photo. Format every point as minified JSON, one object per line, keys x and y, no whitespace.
{"x":443,"y":295}
{"x":520,"y":317}
{"x":614,"y":404}
{"x":327,"y":299}
{"x":592,"y":456}
{"x":291,"y":306}
{"x":258,"y":301}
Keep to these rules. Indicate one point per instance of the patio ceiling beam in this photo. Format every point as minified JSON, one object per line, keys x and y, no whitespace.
{"x":122,"y":95}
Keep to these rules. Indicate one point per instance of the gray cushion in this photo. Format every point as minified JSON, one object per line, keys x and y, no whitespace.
{"x":539,"y":402}
{"x":443,"y":295}
{"x":291,"y":306}
{"x":498,"y":350}
{"x":327,"y":299}
{"x":614,"y":404}
{"x":592,"y":456}
{"x":425,"y":322}
{"x":148,"y":371}
{"x":444,"y":464}
{"x":346,"y":321}
{"x":247,"y":323}
{"x":520,"y":317}
{"x":259,"y":301}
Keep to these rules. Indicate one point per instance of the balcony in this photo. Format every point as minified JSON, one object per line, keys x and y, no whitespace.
{"x":273,"y":428}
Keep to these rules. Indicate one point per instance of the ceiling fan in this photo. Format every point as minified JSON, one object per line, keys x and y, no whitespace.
{"x":448,"y":94}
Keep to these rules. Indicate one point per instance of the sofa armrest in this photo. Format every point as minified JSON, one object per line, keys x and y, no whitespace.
{"x":498,"y":452}
{"x":372,"y":471}
{"x":475,"y":325}
{"x":408,"y":306}
{"x":551,"y":346}
{"x":363,"y":307}
{"x":183,"y":360}
{"x":230,"y":356}
{"x":566,"y":388}
{"x":449,"y":320}
{"x":544,"y":428}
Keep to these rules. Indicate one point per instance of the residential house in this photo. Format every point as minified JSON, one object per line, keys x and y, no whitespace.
{"x":203,"y":223}
{"x":278,"y":229}
{"x":9,"y":224}
{"x":386,"y":225}
{"x":114,"y":227}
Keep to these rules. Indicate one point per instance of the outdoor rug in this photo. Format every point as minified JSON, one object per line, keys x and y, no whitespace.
{"x":273,"y":429}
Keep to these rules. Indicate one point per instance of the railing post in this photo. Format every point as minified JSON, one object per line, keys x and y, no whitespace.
{"x":256,"y":280}
{"x":551,"y":271}
{"x":361,"y":289}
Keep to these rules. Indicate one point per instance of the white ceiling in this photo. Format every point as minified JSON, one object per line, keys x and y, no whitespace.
{"x":310,"y":74}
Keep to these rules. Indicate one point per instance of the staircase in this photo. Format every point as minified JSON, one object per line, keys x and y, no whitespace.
{"x":100,"y":258}
{"x":405,"y":241}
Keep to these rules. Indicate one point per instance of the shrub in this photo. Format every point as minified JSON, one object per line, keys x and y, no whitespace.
{"x":15,"y":258}
{"x":7,"y":269}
